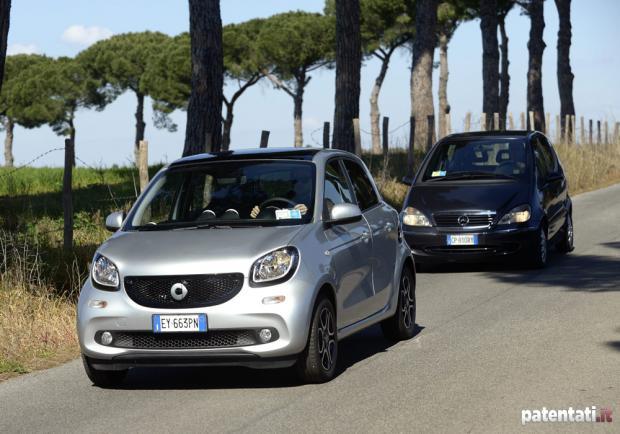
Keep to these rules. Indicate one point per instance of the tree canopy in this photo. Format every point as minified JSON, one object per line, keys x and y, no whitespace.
{"x":19,"y":101}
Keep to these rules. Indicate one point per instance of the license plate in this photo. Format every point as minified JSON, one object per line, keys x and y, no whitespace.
{"x":462,"y":240}
{"x":180,"y":323}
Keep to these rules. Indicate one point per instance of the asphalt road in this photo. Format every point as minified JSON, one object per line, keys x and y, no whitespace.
{"x":492,"y":341}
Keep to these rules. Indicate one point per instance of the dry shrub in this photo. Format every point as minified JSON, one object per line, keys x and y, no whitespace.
{"x":37,"y":326}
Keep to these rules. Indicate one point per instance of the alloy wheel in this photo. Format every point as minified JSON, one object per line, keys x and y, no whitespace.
{"x":326,"y":338}
{"x":543,"y":246}
{"x":407,"y":302}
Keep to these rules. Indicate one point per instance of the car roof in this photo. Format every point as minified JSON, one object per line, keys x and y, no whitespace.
{"x":492,"y":134}
{"x":307,"y":154}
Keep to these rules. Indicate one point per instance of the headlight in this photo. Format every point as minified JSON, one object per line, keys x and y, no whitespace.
{"x":275,"y":267}
{"x":519,"y":214}
{"x":414,"y":217}
{"x":105,"y":274}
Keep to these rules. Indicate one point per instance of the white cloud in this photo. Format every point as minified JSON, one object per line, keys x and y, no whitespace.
{"x":13,"y":49}
{"x":81,"y":35}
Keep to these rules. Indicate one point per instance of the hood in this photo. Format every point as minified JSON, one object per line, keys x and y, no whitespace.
{"x":194,"y":251}
{"x":468,"y":196}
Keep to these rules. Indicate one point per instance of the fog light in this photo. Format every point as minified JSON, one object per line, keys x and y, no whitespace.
{"x":273,"y":300}
{"x":97,"y":304}
{"x":106,"y":338}
{"x":265,"y":335}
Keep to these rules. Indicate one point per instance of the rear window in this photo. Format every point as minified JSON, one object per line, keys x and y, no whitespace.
{"x":503,"y":158}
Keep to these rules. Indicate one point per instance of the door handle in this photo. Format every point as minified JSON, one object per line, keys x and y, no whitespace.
{"x":365,"y":236}
{"x":389,"y":227}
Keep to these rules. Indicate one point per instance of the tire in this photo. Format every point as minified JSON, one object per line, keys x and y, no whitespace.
{"x":317,"y":364}
{"x":566,"y":243}
{"x":540,"y":251}
{"x":401,"y":325}
{"x":101,"y":378}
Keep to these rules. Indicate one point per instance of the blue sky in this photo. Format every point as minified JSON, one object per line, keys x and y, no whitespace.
{"x":64,"y":27}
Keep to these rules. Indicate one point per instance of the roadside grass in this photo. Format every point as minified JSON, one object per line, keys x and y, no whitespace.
{"x":39,"y":284}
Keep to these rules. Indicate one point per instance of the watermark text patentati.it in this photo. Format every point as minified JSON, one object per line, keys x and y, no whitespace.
{"x":570,"y":414}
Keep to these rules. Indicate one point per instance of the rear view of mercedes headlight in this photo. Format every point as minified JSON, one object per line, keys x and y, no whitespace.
{"x":105,"y":274}
{"x":275,"y":267}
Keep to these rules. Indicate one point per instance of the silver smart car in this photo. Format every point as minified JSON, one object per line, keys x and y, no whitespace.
{"x":261,"y":258}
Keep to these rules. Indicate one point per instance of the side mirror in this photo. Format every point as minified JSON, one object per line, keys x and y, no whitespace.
{"x":407,"y":180}
{"x":344,"y":213}
{"x":114,"y":221}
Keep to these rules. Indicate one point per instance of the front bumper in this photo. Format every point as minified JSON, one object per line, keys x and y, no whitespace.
{"x":289,"y":321}
{"x":429,"y":245}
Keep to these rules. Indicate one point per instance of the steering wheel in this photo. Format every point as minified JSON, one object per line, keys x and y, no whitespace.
{"x":281,"y":200}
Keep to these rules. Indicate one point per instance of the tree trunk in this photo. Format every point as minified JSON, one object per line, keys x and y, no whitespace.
{"x":565,"y":74}
{"x":228,"y":121}
{"x":8,"y":143}
{"x":5,"y":15}
{"x":490,"y":60}
{"x":298,"y":101}
{"x":348,"y":66}
{"x":72,"y":136}
{"x":422,"y":69}
{"x":504,"y":91}
{"x":140,"y":126}
{"x":536,"y":46}
{"x":444,"y":107}
{"x":375,"y":114}
{"x":204,"y":110}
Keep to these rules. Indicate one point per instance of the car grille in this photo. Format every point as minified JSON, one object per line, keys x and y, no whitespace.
{"x":202,"y":290}
{"x":472,"y":220}
{"x":171,"y":341}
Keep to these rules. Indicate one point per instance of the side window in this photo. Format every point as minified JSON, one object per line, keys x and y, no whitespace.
{"x":364,"y":191}
{"x":543,"y":162}
{"x":550,"y":155}
{"x":336,"y":188}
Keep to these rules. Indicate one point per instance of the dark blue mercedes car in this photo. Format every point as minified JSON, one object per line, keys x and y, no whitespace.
{"x":489,"y":195}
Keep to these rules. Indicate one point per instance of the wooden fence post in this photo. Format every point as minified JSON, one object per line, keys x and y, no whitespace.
{"x":496,"y":121}
{"x":67,"y":198}
{"x":430,"y":131}
{"x":511,"y":122}
{"x":532,"y":125}
{"x":385,"y":137}
{"x":410,"y":153}
{"x":617,"y":133}
{"x":606,"y":132}
{"x":357,"y":137}
{"x":558,"y":129}
{"x":325,"y":135}
{"x":143,"y":164}
{"x":483,"y":122}
{"x":582,"y":127}
{"x":547,"y":124}
{"x":573,"y":129}
{"x":467,"y":122}
{"x":566,"y":131}
{"x":598,"y":132}
{"x":448,"y":124}
{"x":591,"y":133}
{"x":264,"y":138}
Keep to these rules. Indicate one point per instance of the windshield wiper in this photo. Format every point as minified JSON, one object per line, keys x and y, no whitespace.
{"x":471,"y":175}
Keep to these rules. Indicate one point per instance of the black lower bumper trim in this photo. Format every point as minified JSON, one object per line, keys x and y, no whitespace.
{"x":133,"y":360}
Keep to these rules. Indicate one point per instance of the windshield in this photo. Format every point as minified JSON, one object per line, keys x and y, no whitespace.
{"x":232,"y":193}
{"x":477,"y":159}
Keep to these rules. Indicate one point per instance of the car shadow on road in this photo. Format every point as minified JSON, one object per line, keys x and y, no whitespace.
{"x":352,"y":350}
{"x":573,"y":272}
